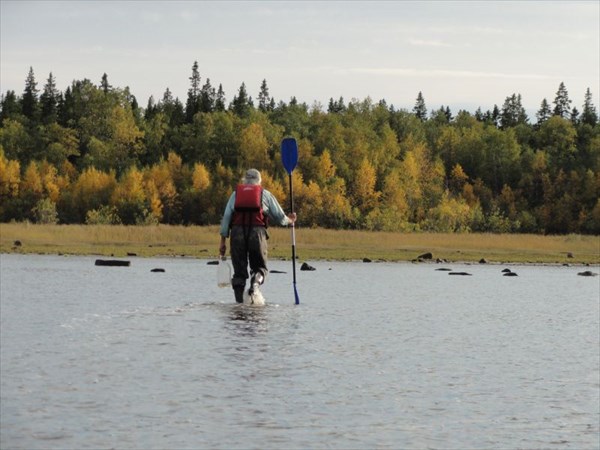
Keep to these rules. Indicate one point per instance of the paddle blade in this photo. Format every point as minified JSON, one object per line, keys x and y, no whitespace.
{"x":296,"y":295}
{"x":289,"y":154}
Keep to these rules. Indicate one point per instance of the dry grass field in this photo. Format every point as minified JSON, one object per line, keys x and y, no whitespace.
{"x":311,"y":244}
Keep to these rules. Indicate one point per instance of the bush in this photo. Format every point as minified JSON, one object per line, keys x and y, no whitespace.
{"x":44,"y":212}
{"x":105,"y":215}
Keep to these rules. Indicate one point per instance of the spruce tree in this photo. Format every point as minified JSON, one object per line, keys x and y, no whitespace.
{"x":104,"y":84}
{"x":264,"y":100}
{"x":220,"y":100}
{"x":9,"y":106}
{"x":512,"y":112}
{"x":420,"y":109}
{"x":589,"y":115}
{"x":544,"y":112}
{"x":192,"y":105}
{"x":207,"y":97}
{"x":29,"y":100}
{"x":574,"y":116}
{"x":49,"y":101}
{"x":562,"y":103}
{"x":240,"y":104}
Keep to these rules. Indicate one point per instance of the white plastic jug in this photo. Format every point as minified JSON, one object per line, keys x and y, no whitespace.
{"x":223,"y":273}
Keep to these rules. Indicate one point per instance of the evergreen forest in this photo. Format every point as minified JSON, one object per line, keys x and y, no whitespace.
{"x":91,"y":154}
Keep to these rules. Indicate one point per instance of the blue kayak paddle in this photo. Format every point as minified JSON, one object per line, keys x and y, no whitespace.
{"x":289,"y":157}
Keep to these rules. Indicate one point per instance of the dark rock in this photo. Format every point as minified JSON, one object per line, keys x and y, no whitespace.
{"x":483,"y":261}
{"x":587,"y":273}
{"x":510,"y":274}
{"x":425,"y":256}
{"x":570,"y":255}
{"x":213,"y":263}
{"x":17,"y":243}
{"x":306,"y":266}
{"x":506,"y":270}
{"x":366,"y":260}
{"x":444,"y":269}
{"x":158,"y":269}
{"x":131,"y":254}
{"x":459,"y":273}
{"x":112,"y":262}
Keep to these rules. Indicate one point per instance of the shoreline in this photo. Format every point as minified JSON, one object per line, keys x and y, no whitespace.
{"x":201,"y":242}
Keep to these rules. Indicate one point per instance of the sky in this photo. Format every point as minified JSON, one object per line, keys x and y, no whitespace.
{"x":461,"y":54}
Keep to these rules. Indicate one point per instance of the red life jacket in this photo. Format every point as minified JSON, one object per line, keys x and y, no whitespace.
{"x":248,"y":206}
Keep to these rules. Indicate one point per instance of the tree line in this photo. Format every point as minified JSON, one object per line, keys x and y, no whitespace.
{"x":92,"y":154}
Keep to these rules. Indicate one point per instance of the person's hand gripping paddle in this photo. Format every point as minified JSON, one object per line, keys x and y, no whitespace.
{"x":289,"y":157}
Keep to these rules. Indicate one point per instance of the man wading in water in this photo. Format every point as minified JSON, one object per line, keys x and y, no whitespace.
{"x":246,"y":217}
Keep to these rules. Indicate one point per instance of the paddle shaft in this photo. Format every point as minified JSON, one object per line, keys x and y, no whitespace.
{"x":293,"y":231}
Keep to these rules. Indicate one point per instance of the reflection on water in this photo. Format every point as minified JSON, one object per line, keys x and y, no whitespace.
{"x":375,"y":356}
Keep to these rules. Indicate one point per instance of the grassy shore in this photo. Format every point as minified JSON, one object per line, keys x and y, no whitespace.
{"x":311,"y":244}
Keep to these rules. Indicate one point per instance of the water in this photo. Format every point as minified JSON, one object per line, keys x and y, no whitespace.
{"x":376,"y":356}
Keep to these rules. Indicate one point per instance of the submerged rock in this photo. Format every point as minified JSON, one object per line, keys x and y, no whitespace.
{"x":306,"y":266}
{"x":460,"y":273}
{"x":112,"y":262}
{"x":158,"y":269}
{"x":213,"y":263}
{"x":510,"y":274}
{"x":587,"y":273}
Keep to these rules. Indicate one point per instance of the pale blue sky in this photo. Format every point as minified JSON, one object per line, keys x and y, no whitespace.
{"x":461,"y":54}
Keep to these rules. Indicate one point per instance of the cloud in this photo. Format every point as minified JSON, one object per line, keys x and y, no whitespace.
{"x":431,"y":43}
{"x":444,"y":73}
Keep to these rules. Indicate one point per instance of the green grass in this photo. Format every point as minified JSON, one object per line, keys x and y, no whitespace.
{"x":311,"y":244}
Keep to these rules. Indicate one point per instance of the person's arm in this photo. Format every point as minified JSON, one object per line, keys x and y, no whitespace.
{"x":275,"y":212}
{"x":225,"y":222}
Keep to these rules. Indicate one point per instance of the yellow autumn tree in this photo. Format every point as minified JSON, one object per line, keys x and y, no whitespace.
{"x":253,"y":148}
{"x":10,"y":177}
{"x":364,"y":195}
{"x":129,"y":198}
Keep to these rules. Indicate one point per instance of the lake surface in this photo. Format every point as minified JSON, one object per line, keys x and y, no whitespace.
{"x":380,"y":355}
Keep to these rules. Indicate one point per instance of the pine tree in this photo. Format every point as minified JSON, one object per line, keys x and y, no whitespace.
{"x":589,"y":115}
{"x":543,"y":113}
{"x":420,"y":109}
{"x":263,"y":97}
{"x":512,"y":112}
{"x":192,"y":105}
{"x":29,"y":100}
{"x":66,"y":107}
{"x":207,"y":97}
{"x":574,"y":116}
{"x":49,"y":101}
{"x":104,"y":84}
{"x":240,"y":104}
{"x":9,"y":106}
{"x":562,"y":103}
{"x":220,"y":100}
